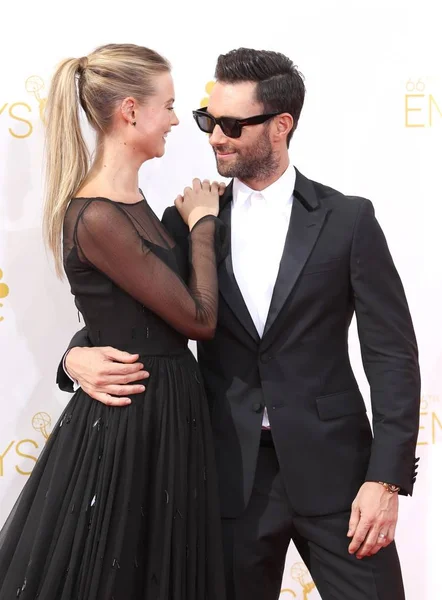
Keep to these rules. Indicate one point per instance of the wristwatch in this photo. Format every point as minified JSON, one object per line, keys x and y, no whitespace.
{"x":390,"y":487}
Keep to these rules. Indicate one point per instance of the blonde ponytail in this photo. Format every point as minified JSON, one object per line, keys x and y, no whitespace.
{"x":67,"y":156}
{"x":96,"y":83}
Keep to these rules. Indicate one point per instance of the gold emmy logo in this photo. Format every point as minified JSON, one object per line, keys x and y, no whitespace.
{"x":40,"y":422}
{"x":205,"y":101}
{"x":26,"y":448}
{"x":21,"y":126}
{"x":34,"y":85}
{"x":299,"y":573}
{"x":422,"y":109}
{"x":4,"y":291}
{"x":430,"y":428}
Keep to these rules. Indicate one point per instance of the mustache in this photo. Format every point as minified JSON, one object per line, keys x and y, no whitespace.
{"x":223,"y":149}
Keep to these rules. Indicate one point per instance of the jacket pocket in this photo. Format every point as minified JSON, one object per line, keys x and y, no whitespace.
{"x":320,"y":267}
{"x":341,"y":404}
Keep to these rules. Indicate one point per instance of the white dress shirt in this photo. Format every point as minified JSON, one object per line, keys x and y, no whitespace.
{"x":259,"y":226}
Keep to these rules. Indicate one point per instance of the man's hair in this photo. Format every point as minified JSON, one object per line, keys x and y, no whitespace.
{"x":280,"y":86}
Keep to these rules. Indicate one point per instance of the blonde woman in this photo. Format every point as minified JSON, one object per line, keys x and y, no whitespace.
{"x":122,"y":504}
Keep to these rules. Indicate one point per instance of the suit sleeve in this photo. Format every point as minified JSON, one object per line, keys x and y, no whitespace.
{"x":174,"y":224}
{"x":389,"y":354}
{"x":80,"y":339}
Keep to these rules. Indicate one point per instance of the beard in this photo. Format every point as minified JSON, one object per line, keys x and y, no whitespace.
{"x":258,"y":162}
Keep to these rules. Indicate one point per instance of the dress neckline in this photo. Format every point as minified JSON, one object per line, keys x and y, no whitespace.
{"x":111,"y":200}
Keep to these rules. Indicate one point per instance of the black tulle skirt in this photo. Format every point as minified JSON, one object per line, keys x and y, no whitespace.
{"x":122,"y":503}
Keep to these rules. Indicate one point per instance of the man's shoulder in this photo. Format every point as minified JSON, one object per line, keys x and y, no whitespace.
{"x":333,"y":197}
{"x":330,"y":197}
{"x":170,"y":212}
{"x":173,"y":222}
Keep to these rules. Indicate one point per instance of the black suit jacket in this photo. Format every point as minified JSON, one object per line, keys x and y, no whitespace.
{"x":335,"y":263}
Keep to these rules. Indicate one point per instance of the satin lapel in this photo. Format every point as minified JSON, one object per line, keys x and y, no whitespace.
{"x":228,"y":286}
{"x":304,"y":229}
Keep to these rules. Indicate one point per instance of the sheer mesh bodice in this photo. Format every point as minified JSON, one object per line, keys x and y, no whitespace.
{"x":123,"y":253}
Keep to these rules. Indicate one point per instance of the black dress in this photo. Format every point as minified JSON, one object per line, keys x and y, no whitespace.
{"x":122,"y":503}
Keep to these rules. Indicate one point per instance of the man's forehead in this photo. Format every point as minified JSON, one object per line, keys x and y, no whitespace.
{"x":236,"y":99}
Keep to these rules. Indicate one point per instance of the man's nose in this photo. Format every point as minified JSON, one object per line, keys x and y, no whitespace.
{"x":217,"y":137}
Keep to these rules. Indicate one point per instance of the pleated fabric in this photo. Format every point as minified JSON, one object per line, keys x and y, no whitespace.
{"x":122,"y":503}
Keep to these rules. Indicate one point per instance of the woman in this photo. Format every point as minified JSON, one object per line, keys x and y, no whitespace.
{"x":122,"y":503}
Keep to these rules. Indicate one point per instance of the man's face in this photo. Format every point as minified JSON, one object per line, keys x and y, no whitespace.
{"x":251,"y":156}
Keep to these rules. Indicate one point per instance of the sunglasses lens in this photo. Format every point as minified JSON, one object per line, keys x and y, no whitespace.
{"x":230,"y":127}
{"x":204,"y":122}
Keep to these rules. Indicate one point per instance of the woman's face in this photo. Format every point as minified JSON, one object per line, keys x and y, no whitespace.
{"x":154,"y":119}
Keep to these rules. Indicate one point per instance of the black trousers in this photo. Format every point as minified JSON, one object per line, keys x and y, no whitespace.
{"x":256,"y":544}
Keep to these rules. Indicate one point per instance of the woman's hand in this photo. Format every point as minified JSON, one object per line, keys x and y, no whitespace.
{"x":200,"y":200}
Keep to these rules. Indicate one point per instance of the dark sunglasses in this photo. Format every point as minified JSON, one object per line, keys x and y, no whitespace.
{"x":230,"y":127}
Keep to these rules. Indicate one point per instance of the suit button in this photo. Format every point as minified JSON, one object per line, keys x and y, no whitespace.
{"x":265,"y":358}
{"x":257,"y":407}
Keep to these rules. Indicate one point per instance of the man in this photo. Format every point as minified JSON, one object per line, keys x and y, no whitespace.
{"x":295,"y":453}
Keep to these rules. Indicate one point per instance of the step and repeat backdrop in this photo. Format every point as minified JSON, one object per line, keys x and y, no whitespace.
{"x":371,"y":126}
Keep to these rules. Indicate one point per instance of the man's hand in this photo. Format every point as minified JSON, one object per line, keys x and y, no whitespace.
{"x":106,"y":374}
{"x":373,"y":519}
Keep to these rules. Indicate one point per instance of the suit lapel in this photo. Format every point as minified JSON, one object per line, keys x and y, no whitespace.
{"x":306,"y":221}
{"x":228,"y":286}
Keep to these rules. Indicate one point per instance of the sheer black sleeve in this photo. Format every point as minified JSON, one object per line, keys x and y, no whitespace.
{"x":107,"y":238}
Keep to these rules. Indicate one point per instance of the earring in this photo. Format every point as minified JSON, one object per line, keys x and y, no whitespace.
{"x":133,"y":117}
{"x":134,"y":123}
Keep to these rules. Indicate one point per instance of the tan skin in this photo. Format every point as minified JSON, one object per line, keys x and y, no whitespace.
{"x":110,"y":376}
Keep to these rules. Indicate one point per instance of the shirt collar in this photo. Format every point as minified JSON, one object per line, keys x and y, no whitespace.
{"x":279,"y":193}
